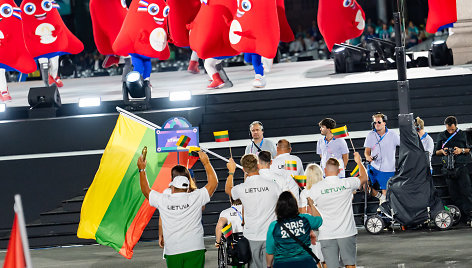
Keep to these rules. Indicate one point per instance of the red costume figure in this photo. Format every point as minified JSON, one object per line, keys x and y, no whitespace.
{"x":144,"y":34}
{"x":286,"y":34}
{"x":252,"y":29}
{"x":107,"y":18}
{"x":47,"y":36}
{"x":340,"y":20}
{"x":13,"y":53}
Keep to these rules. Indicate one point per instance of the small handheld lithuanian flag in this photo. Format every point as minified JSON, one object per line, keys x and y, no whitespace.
{"x":300,"y":180}
{"x":355,"y":171}
{"x":290,"y":165}
{"x":227,"y":231}
{"x":340,"y":132}
{"x":221,"y":136}
{"x":183,"y":141}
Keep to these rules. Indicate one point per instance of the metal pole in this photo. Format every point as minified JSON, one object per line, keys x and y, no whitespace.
{"x":403,"y":85}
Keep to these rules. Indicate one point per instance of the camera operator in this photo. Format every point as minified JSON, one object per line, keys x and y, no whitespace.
{"x":452,"y":146}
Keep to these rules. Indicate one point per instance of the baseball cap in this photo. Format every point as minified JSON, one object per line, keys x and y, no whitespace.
{"x":180,"y":182}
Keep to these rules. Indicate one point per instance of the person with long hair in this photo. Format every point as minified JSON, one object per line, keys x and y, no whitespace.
{"x":283,"y":250}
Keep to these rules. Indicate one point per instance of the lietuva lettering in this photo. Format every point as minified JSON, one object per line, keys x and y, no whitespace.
{"x":333,"y":190}
{"x":233,"y":214}
{"x":256,"y":190}
{"x":177,"y":207}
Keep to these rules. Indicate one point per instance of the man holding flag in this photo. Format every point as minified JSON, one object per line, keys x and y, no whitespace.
{"x":181,"y":214}
{"x":331,"y":146}
{"x":284,"y":160}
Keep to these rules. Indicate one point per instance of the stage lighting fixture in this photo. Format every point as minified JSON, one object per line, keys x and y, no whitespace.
{"x":43,"y":101}
{"x":3,"y":107}
{"x":440,"y":54}
{"x":180,"y":95}
{"x":134,"y":85}
{"x":138,"y":90}
{"x":89,"y":102}
{"x":348,"y":59}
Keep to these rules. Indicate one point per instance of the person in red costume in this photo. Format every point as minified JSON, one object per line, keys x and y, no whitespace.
{"x":249,"y":34}
{"x":183,"y":13}
{"x":144,"y":35}
{"x":209,"y":36}
{"x":47,"y":37}
{"x":13,"y":53}
{"x":107,"y":18}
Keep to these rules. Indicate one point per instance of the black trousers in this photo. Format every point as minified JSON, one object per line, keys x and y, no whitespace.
{"x":460,"y":190}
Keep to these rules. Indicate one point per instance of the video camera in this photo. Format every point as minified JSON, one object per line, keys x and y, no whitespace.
{"x":450,"y":158}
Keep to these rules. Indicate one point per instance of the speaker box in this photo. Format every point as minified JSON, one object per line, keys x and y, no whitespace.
{"x":44,"y":97}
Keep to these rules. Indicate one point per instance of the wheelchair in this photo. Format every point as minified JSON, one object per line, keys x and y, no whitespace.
{"x":227,"y":251}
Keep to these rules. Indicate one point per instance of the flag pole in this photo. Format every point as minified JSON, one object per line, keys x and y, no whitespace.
{"x":353,"y":148}
{"x":219,"y":156}
{"x":230,"y":153}
{"x":21,"y":223}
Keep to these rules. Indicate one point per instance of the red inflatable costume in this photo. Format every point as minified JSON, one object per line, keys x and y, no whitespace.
{"x":107,"y":19}
{"x":286,"y":34}
{"x":45,"y":33}
{"x":144,"y":31}
{"x":183,"y":13}
{"x":209,"y":35}
{"x":252,"y":31}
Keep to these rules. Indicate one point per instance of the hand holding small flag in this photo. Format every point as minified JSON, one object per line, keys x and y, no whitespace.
{"x":183,"y":141}
{"x":222,"y":136}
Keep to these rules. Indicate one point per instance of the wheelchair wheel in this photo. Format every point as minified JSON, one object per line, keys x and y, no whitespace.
{"x":443,"y":220}
{"x":455,"y":212}
{"x":222,"y":255}
{"x":374,"y":224}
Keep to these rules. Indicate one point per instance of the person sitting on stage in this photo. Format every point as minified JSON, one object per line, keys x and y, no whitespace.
{"x":284,"y":160}
{"x":258,"y":196}
{"x":181,"y":214}
{"x":428,"y":143}
{"x":258,"y":143}
{"x":328,"y":146}
{"x":282,"y":249}
{"x":380,"y":145}
{"x":457,"y":177}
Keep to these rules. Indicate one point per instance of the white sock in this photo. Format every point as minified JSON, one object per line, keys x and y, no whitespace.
{"x":194,"y":56}
{"x":210,"y":66}
{"x":3,"y":81}
{"x":54,"y":66}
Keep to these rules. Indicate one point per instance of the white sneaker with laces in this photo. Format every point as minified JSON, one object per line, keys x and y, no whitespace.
{"x":259,"y":81}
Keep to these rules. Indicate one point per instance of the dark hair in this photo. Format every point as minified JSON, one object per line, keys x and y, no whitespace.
{"x":328,"y":123}
{"x":450,"y":120}
{"x":265,"y":157}
{"x":179,"y":170}
{"x":286,"y":207}
{"x":235,"y":202}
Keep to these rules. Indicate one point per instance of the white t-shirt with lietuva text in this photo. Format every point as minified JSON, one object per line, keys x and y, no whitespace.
{"x":383,"y":147}
{"x":335,"y":148}
{"x":259,"y":197}
{"x":181,"y":215}
{"x":280,"y":160}
{"x":283,"y":179}
{"x":234,"y":216}
{"x":333,"y":199}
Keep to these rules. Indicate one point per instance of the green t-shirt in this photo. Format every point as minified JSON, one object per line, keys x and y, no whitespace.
{"x":282,"y":246}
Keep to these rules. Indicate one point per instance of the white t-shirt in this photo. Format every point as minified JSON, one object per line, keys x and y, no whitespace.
{"x":384,"y":148}
{"x":259,"y":197}
{"x":283,"y":179}
{"x":303,"y":203}
{"x":265,"y":145}
{"x":181,"y":215}
{"x":333,"y":199}
{"x":234,"y":216}
{"x":335,"y":148}
{"x":279,"y":163}
{"x":428,"y":145}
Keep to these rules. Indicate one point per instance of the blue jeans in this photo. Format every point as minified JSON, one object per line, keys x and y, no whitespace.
{"x":256,"y":61}
{"x":142,"y":65}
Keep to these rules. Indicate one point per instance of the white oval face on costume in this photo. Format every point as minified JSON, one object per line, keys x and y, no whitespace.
{"x":158,"y":39}
{"x":44,"y":30}
{"x":1,"y":35}
{"x":235,"y":27}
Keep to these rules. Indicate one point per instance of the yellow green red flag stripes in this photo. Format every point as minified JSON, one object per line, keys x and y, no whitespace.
{"x":227,"y":231}
{"x":114,"y":201}
{"x":300,"y":180}
{"x":290,"y":165}
{"x":355,"y":171}
{"x":340,"y":132}
{"x":221,"y":136}
{"x":183,"y":141}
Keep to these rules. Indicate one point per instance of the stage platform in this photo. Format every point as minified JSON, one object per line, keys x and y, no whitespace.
{"x":283,"y":75}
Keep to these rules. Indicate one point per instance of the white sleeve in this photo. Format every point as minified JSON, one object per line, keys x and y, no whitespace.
{"x":369,"y":140}
{"x":353,"y":182}
{"x":344,"y":148}
{"x":303,"y":202}
{"x":203,"y":195}
{"x":300,"y":170}
{"x":235,"y":193}
{"x":224,"y":214}
{"x":397,"y":139}
{"x":155,"y":198}
{"x":318,"y":147}
{"x":248,"y":149}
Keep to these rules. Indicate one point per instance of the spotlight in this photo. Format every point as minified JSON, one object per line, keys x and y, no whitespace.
{"x":348,"y":59}
{"x":44,"y":101}
{"x":90,"y":102}
{"x":3,"y":107}
{"x":440,"y":54}
{"x":180,"y":95}
{"x":138,"y":90}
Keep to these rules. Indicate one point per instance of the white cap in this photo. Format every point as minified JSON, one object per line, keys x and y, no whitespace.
{"x":180,"y":182}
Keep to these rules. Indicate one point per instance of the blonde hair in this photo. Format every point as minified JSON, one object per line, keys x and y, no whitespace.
{"x":420,"y":122}
{"x":313,"y":174}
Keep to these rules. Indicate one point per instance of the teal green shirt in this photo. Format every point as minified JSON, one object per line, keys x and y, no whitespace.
{"x":282,"y":246}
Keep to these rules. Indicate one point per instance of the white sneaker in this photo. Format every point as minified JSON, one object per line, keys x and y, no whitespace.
{"x":259,"y":81}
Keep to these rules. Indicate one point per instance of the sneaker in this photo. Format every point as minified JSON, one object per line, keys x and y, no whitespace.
{"x":217,"y":82}
{"x":110,"y":60}
{"x":193,"y":67}
{"x":51,"y":80}
{"x":56,"y":81}
{"x":259,"y":81}
{"x":6,"y":95}
{"x":1,"y":98}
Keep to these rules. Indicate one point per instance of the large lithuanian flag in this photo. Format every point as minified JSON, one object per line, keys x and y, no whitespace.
{"x":114,"y":211}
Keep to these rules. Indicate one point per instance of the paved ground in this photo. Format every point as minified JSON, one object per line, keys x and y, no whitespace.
{"x":403,"y":249}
